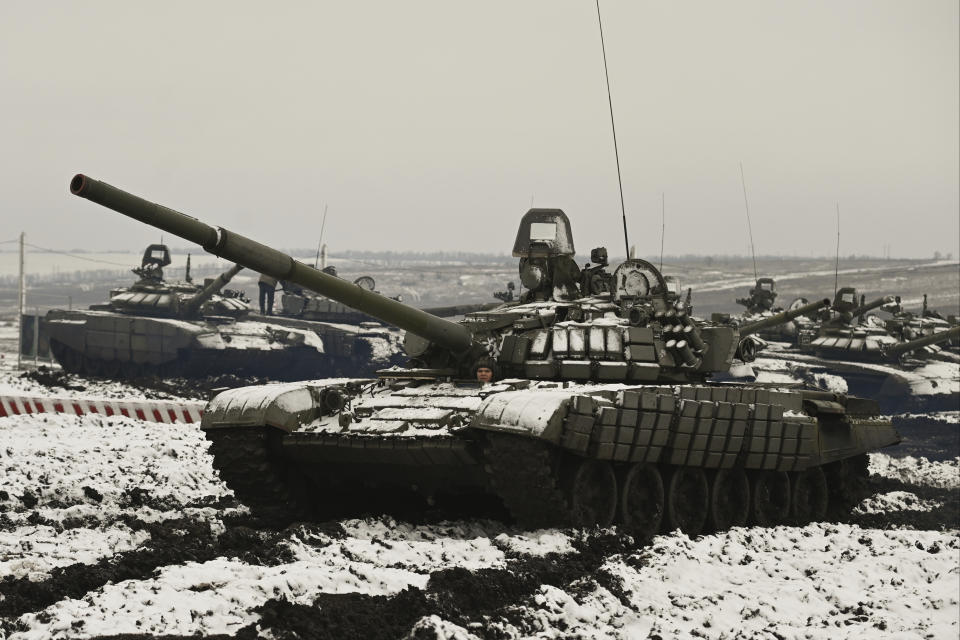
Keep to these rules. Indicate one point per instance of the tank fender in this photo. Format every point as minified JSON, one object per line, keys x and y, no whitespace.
{"x":537,"y":414}
{"x":282,"y":406}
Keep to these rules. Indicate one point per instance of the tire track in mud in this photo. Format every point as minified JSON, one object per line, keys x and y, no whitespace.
{"x":471,"y":599}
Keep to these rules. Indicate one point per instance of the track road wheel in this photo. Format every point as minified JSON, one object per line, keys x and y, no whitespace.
{"x":688,"y":496}
{"x":809,"y":497}
{"x":729,"y":499}
{"x":641,"y":501}
{"x":770,"y":498}
{"x":591,"y":489}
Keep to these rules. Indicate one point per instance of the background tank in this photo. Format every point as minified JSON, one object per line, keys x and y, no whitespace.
{"x":601,"y":407}
{"x":156,"y":327}
{"x":854,"y":350}
{"x":851,"y":334}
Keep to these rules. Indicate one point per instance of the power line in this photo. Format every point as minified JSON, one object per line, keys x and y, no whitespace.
{"x":77,"y":256}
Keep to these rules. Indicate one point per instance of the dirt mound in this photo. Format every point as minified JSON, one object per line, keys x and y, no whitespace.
{"x":171,"y":542}
{"x":463,"y":597}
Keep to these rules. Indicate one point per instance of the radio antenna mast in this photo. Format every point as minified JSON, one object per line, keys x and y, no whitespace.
{"x":663,"y":224}
{"x":746,"y":204}
{"x":320,"y":243}
{"x":616,"y":153}
{"x":836,"y":266}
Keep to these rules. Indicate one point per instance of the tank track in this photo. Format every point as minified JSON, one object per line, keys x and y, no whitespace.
{"x":245,"y":462}
{"x":524,"y":473}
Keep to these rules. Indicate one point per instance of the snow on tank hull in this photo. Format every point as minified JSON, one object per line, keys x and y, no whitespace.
{"x":124,"y":346}
{"x":552,"y":454}
{"x":916,"y":385}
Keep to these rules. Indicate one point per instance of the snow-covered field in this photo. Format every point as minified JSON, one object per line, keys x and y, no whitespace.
{"x":113,"y":526}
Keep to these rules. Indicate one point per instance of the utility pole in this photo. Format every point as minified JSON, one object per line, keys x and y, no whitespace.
{"x":21,"y":300}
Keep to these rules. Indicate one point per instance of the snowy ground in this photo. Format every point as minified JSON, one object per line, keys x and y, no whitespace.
{"x":112,"y":526}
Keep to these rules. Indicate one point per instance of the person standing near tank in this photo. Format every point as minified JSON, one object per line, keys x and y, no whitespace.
{"x":268,"y":285}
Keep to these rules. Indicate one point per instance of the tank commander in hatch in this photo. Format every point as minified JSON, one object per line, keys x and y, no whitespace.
{"x":484,"y":370}
{"x":268,"y":285}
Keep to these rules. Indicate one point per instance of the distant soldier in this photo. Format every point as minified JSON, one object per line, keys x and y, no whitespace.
{"x":268,"y":285}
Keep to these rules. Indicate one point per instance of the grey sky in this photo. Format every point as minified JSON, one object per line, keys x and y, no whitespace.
{"x":430,"y":125}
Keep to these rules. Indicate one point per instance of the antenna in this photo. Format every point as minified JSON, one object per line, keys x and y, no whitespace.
{"x":320,"y":243}
{"x":616,"y":153}
{"x":836,"y":266}
{"x":663,"y":225}
{"x":746,"y":204}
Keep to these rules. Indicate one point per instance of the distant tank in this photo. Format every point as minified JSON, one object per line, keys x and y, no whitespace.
{"x":587,"y":401}
{"x":853,"y":335}
{"x":850,"y":349}
{"x":910,"y":326}
{"x":156,"y":327}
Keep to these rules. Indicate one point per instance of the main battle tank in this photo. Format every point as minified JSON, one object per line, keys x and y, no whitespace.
{"x":851,"y":350}
{"x":600,"y":406}
{"x":157,"y":327}
{"x":852,"y":335}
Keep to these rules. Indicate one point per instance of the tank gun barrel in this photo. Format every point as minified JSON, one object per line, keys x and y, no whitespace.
{"x":263,"y":259}
{"x":783,"y":317}
{"x":870,"y":306}
{"x":209,"y":290}
{"x":933,"y":338}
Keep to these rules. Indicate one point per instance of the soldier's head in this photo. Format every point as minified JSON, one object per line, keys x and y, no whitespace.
{"x":485,"y":369}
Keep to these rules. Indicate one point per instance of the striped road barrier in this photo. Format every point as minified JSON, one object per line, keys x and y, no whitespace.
{"x":165,"y":411}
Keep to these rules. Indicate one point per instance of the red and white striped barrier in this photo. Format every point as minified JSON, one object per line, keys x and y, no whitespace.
{"x":165,"y":411}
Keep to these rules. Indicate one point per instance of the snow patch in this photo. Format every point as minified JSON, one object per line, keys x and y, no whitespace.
{"x":945,"y":475}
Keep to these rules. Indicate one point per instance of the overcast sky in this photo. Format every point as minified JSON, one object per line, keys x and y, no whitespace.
{"x":431,"y":125}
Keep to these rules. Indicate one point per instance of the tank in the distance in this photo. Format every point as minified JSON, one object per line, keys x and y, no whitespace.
{"x":852,"y":348}
{"x":156,"y":327}
{"x":589,"y":400}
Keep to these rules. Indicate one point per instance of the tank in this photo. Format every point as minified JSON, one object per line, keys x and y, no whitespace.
{"x":910,"y":326}
{"x":852,"y":350}
{"x":587,"y":401}
{"x":157,"y":327}
{"x":853,"y":335}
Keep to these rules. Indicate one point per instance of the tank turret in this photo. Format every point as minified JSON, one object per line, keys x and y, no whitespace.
{"x":783,"y":317}
{"x":190,"y":306}
{"x":927,"y":340}
{"x":762,"y":296}
{"x":847,"y":307}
